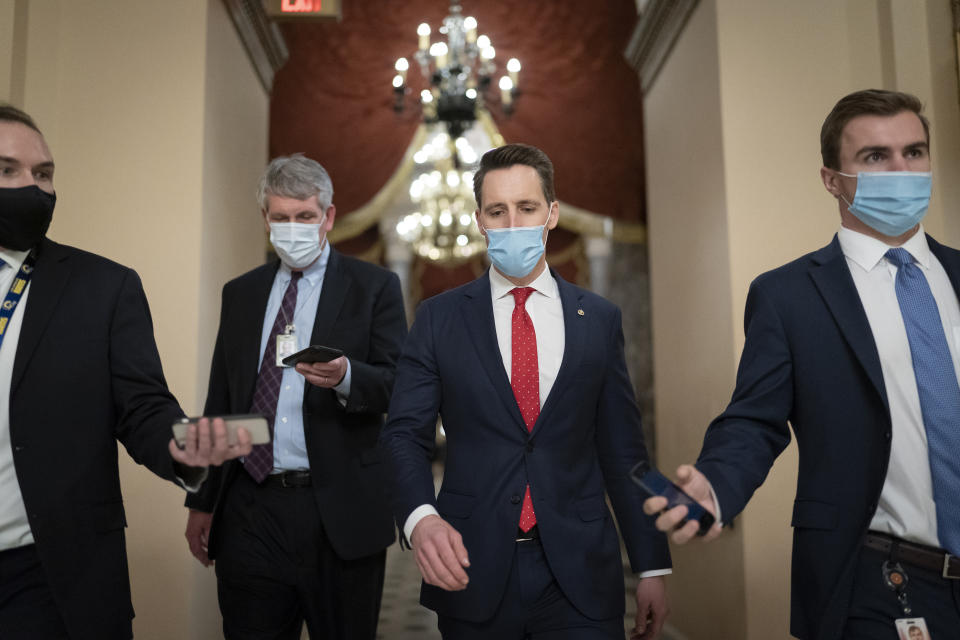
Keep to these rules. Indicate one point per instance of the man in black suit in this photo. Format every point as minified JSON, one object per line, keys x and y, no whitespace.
{"x":79,"y":370}
{"x":857,"y":347}
{"x":299,"y":529}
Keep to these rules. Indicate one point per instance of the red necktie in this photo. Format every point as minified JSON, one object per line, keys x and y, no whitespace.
{"x":525,"y":380}
{"x":265,"y":395}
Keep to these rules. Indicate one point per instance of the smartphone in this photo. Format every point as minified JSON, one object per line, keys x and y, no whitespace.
{"x":254,"y":423}
{"x":655,"y":483}
{"x":313,"y":353}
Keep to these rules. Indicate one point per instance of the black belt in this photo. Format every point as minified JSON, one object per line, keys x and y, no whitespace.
{"x":948,"y":566}
{"x":287,"y":479}
{"x":527,"y":536}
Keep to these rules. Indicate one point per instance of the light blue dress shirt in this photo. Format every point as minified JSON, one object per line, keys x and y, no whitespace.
{"x":289,"y":443}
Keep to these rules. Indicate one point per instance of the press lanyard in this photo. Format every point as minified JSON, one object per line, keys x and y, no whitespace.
{"x":15,"y":293}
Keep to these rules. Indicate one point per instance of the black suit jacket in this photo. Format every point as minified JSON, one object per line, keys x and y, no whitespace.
{"x":86,"y":374}
{"x":810,"y":359}
{"x":583,"y":444}
{"x":361,"y":312}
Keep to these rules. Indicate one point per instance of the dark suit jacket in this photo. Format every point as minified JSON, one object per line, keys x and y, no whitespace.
{"x":585,"y":441}
{"x":86,"y":374}
{"x":810,"y":358}
{"x":361,"y":312}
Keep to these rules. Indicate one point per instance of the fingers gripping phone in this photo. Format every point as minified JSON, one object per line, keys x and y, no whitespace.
{"x":314,"y":353}
{"x":255,"y":424}
{"x":655,"y":483}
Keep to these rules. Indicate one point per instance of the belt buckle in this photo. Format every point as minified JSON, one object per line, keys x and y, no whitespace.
{"x":946,"y":568}
{"x":283,"y":481}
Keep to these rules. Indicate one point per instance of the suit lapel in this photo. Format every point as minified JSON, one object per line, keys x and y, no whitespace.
{"x":477,"y":312}
{"x":336,"y":284}
{"x":831,"y":275}
{"x":47,"y":284}
{"x":574,"y":329}
{"x":950,"y":260}
{"x":253,"y":307}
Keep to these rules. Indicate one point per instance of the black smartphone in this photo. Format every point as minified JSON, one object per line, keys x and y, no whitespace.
{"x":313,"y":353}
{"x":655,"y":483}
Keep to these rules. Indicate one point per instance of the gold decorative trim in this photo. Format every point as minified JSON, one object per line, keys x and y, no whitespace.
{"x":359,"y":220}
{"x":572,"y":218}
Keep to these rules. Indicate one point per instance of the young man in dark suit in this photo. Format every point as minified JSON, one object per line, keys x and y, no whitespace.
{"x":79,"y":370}
{"x":299,"y":529}
{"x":528,"y":376}
{"x":857,"y":345}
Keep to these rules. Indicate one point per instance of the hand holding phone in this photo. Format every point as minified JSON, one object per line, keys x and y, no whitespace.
{"x":313,"y":353}
{"x":254,"y":423}
{"x":655,"y":483}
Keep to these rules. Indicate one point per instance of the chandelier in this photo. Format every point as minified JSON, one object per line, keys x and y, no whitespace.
{"x":458,"y":72}
{"x":442,"y":230}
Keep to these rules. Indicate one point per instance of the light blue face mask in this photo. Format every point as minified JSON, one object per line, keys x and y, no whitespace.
{"x":891,"y":202}
{"x":515,"y":251}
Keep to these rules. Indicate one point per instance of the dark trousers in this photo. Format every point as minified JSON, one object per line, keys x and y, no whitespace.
{"x":874,"y":607}
{"x":276,"y":569}
{"x":533,"y":608}
{"x":27,"y":609}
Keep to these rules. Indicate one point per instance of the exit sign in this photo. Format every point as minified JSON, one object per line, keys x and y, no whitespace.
{"x":303,"y":9}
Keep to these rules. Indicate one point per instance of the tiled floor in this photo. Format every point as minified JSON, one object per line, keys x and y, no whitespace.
{"x":402,"y":617}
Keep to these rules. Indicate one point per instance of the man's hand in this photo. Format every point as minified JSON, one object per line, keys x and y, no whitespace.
{"x":696,"y":485}
{"x":652,"y":608}
{"x":324,"y":374}
{"x":198,"y":532}
{"x":207,"y":444}
{"x":440,"y":554}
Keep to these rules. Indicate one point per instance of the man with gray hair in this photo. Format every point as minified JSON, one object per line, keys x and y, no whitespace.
{"x":299,"y":528}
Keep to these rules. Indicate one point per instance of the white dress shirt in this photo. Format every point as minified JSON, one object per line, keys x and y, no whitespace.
{"x":906,"y":507}
{"x":289,"y":439}
{"x":14,"y":526}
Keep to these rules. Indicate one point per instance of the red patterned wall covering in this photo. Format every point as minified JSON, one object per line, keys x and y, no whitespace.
{"x":580,"y":100}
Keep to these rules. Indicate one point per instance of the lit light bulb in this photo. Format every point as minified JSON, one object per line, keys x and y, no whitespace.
{"x":483,"y":42}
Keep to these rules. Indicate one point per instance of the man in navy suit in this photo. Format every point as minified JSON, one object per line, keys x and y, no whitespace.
{"x":528,"y":376}
{"x":857,"y":345}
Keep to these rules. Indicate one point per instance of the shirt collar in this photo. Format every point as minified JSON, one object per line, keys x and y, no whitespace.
{"x":13,"y":258}
{"x":314,"y":273}
{"x":545,"y":284}
{"x":868,"y":252}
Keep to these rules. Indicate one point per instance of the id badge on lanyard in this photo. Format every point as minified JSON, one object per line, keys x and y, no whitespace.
{"x":286,"y":344}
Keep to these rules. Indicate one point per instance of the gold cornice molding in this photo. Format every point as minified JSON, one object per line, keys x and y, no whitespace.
{"x":659,"y":25}
{"x":262,"y":39}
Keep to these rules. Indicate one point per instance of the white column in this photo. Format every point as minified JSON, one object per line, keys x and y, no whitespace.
{"x":599,"y":250}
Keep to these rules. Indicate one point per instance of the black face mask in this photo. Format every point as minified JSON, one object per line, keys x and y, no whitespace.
{"x":25,"y":215}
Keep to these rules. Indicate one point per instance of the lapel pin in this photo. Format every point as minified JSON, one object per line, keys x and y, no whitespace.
{"x":579,"y":312}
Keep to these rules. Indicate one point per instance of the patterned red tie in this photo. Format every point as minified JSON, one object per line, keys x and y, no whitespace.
{"x":260,"y":461}
{"x":525,"y":380}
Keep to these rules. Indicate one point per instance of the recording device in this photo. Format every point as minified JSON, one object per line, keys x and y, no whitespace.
{"x":655,"y":483}
{"x":313,"y":353}
{"x":254,"y":423}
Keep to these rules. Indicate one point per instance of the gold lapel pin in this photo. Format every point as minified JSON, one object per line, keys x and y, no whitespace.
{"x":579,"y":312}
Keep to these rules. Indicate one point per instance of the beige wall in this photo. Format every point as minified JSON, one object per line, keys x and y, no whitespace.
{"x":732,"y":127}
{"x":158,"y":126}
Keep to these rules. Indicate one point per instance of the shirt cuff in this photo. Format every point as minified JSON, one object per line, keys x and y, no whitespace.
{"x":190,"y":478}
{"x":653,"y":573}
{"x":343,"y":388}
{"x":415,"y":517}
{"x":716,"y":504}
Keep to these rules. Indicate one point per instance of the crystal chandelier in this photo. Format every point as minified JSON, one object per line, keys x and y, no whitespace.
{"x":442,"y":230}
{"x":458,"y":72}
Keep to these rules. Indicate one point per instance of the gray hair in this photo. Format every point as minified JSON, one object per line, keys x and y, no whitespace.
{"x":297,"y":177}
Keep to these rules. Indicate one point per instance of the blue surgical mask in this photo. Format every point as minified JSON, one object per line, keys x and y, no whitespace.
{"x":515,"y":251}
{"x":891,"y":202}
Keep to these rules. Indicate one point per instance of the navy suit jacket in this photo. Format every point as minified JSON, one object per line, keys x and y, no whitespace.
{"x":360,"y":312}
{"x":584,"y":443}
{"x":810,"y":359}
{"x":86,"y":374}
